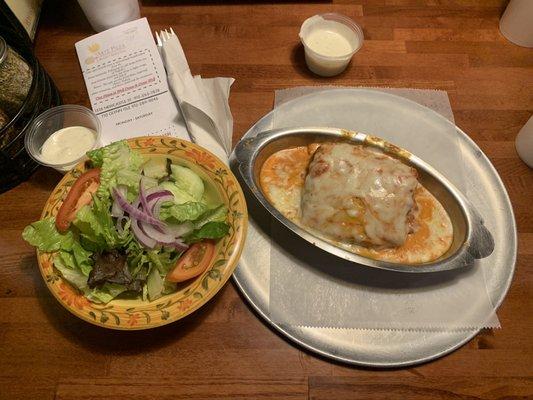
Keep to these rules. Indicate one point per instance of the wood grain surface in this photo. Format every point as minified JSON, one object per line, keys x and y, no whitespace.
{"x":225,"y":351}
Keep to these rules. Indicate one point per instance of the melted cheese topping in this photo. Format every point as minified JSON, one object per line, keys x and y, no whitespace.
{"x":358,"y":195}
{"x":432,"y":236}
{"x":429,"y":231}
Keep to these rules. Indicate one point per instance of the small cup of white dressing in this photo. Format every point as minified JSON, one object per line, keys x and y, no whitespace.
{"x":330,"y":40}
{"x":60,"y":137}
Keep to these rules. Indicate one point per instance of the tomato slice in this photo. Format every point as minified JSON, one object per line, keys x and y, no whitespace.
{"x":193,"y":262}
{"x":80,"y":194}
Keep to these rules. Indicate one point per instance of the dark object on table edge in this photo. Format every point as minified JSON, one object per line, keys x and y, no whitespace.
{"x":15,"y":164}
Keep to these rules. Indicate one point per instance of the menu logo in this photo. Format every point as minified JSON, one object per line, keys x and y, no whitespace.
{"x":96,"y":54}
{"x":93,"y":48}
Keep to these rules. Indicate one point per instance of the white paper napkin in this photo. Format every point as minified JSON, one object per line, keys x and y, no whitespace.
{"x":203,"y":102}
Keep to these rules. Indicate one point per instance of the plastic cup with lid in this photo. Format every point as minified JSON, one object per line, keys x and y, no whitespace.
{"x":524,"y":142}
{"x":330,"y":40}
{"x":105,"y":14}
{"x":60,"y":137}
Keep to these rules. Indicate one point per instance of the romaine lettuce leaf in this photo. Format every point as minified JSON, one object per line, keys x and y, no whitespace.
{"x":44,"y":235}
{"x":180,"y":196}
{"x":177,"y":213}
{"x":111,"y":159}
{"x":96,"y":156}
{"x":217,"y":214}
{"x":82,"y":258}
{"x":131,"y":179}
{"x":78,"y":259}
{"x":96,"y":226}
{"x":136,"y":262}
{"x":145,"y":293}
{"x":168,"y":287}
{"x":162,"y":260}
{"x":211,"y":230}
{"x":63,"y":262}
{"x":154,"y":284}
{"x":105,"y":293}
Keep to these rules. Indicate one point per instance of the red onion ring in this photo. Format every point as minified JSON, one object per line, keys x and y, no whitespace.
{"x":116,"y":211}
{"x":148,"y":230}
{"x":141,"y":236}
{"x":156,"y":204}
{"x":142,"y":198}
{"x":134,"y":212}
{"x":161,"y":237}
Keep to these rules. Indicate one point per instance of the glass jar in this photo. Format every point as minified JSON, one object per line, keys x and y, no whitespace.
{"x":15,"y":79}
{"x":4,"y":119}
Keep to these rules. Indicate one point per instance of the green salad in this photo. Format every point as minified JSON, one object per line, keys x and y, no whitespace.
{"x":132,"y":226}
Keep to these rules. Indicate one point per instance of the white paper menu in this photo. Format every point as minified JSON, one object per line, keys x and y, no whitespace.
{"x":127,"y":83}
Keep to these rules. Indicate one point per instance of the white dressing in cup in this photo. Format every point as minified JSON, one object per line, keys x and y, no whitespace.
{"x":330,"y":41}
{"x":68,"y":144}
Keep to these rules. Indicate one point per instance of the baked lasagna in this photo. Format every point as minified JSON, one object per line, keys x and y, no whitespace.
{"x":360,"y":199}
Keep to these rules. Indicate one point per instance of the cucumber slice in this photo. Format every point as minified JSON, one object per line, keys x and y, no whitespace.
{"x":186,"y":180}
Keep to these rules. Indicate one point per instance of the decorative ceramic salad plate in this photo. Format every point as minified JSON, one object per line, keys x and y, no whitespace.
{"x":142,"y":234}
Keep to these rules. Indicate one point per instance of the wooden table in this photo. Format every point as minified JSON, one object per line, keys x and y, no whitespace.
{"x":224,"y":350}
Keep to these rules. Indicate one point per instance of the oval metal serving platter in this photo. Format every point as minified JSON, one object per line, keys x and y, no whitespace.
{"x":375,"y":111}
{"x":471,"y":239}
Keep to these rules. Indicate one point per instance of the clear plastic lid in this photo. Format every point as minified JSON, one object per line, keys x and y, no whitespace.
{"x":349,"y":30}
